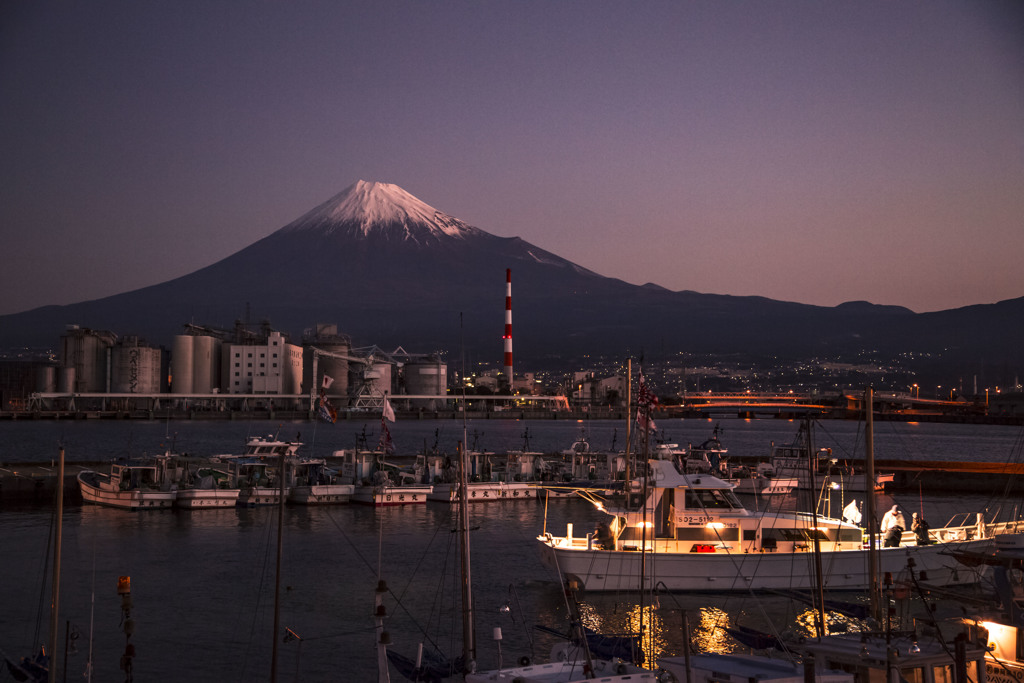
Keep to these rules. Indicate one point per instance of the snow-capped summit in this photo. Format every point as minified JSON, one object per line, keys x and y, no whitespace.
{"x":370,"y":208}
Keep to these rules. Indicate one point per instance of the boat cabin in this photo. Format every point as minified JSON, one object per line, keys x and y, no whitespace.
{"x":701,"y":514}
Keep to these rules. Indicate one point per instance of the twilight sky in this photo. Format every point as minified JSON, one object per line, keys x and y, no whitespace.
{"x":817,"y":152}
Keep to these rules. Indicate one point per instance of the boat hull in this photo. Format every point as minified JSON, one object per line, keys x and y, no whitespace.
{"x":196,"y":499}
{"x":614,"y":570}
{"x":483,"y":492}
{"x":391,"y":495}
{"x":321,"y":494}
{"x":97,"y":490}
{"x":259,"y":495}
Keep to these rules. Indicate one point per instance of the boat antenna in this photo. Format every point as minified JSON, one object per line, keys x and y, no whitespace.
{"x":468,"y":625}
{"x":874,"y":589}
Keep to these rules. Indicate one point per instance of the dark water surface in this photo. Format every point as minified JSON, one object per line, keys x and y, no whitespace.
{"x":203,"y":581}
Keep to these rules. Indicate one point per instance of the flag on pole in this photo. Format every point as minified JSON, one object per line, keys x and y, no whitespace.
{"x":389,"y":413}
{"x":327,"y":412}
{"x":385,"y":444}
{"x":646,"y":402}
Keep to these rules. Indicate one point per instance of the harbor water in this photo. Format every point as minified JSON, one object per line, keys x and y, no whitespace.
{"x":202,"y":582}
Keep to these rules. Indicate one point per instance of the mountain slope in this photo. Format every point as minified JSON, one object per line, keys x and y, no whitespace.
{"x":390,"y":269}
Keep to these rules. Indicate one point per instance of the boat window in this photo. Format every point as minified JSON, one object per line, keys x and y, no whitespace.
{"x":850,"y":536}
{"x":707,"y":535}
{"x":697,"y":499}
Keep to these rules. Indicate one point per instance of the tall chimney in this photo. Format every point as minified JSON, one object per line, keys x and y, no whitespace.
{"x":508,"y":325}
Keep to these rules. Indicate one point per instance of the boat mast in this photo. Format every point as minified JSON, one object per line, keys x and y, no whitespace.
{"x":468,"y":625}
{"x":629,"y":401}
{"x":277,"y":578}
{"x":55,"y":591}
{"x":819,"y":593}
{"x":874,"y":589}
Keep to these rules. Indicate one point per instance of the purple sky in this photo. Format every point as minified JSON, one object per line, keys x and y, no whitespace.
{"x":803,"y":151}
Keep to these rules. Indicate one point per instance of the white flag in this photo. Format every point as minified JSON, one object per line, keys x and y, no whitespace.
{"x":389,"y":414}
{"x":851,"y":513}
{"x":328,"y":381}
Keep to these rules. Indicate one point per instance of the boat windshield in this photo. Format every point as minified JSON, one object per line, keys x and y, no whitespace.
{"x":699,"y":499}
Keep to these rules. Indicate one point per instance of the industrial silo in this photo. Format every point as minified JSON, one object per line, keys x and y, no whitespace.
{"x":46,"y":379}
{"x":331,"y":351}
{"x":66,"y":380}
{"x":426,"y":378}
{"x":205,"y":364}
{"x":182,"y":364}
{"x":135,"y":368}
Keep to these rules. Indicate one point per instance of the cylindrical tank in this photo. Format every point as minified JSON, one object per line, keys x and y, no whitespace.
{"x":135,"y":369}
{"x":202,"y":365}
{"x":46,"y":379}
{"x":181,"y":365}
{"x":335,"y":368}
{"x":66,"y":380}
{"x":426,"y":377}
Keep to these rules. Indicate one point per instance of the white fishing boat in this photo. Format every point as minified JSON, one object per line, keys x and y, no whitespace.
{"x":691,"y":533}
{"x":759,"y":480}
{"x":493,"y":478}
{"x":134,"y":486}
{"x":255,"y":472}
{"x":791,"y":461}
{"x":1000,"y":628}
{"x":314,"y":483}
{"x":205,"y":487}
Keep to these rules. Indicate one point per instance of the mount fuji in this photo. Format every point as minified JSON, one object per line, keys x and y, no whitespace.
{"x":391,"y":270}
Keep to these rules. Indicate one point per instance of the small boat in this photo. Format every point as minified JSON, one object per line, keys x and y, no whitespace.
{"x":205,"y":487}
{"x":255,"y":472}
{"x":314,"y":483}
{"x":1002,"y":629}
{"x":135,"y":486}
{"x":699,"y":537}
{"x":791,"y":461}
{"x":760,"y":480}
{"x":741,"y":668}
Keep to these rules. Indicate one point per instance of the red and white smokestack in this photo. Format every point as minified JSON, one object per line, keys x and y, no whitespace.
{"x":508,"y":325}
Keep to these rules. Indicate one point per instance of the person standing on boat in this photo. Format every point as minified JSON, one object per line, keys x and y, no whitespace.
{"x":893,"y":525}
{"x":920,"y":529}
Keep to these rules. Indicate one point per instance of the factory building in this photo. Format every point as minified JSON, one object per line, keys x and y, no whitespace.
{"x":270,"y":366}
{"x":84,"y":360}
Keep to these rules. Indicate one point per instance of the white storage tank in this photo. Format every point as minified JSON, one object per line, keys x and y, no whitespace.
{"x":46,"y":379}
{"x":205,"y":364}
{"x":135,"y":368}
{"x":426,"y":377}
{"x":182,"y":365}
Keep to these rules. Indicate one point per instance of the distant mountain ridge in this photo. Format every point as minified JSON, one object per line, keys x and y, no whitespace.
{"x":391,"y":270}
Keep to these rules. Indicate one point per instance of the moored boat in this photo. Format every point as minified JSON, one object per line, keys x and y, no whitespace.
{"x":135,"y":486}
{"x":204,"y":488}
{"x":691,"y":533}
{"x":314,"y":483}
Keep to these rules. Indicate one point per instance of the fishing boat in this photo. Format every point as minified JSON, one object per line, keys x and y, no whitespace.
{"x":255,"y":472}
{"x":133,"y":486}
{"x":314,"y":483}
{"x":493,"y":478}
{"x":691,"y":533}
{"x":793,"y":461}
{"x":1001,"y":627}
{"x":205,"y":488}
{"x":758,"y":480}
